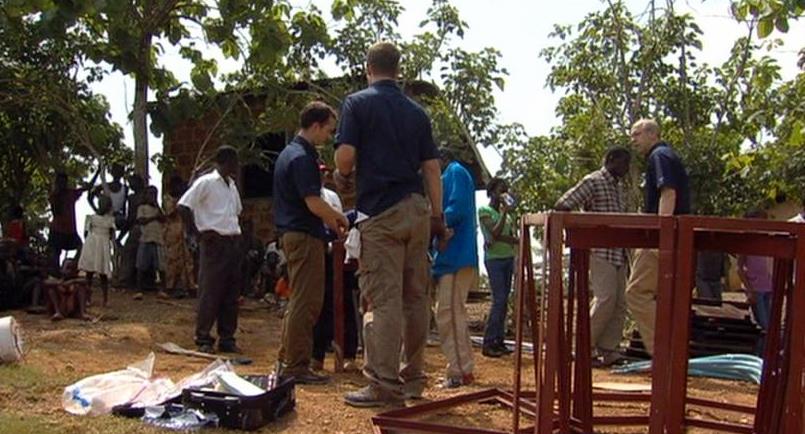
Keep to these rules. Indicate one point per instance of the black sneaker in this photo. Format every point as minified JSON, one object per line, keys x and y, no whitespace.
{"x":230,"y":348}
{"x":503,"y":348}
{"x":206,"y":348}
{"x":492,"y":352}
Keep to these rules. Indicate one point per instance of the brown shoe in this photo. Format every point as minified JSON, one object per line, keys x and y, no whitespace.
{"x":351,"y":366}
{"x":316,"y":365}
{"x":308,"y":377}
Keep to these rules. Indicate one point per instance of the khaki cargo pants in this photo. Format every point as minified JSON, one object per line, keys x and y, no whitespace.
{"x":394,"y":279}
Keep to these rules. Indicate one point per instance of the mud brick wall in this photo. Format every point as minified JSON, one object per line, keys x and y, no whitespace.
{"x":183,"y":144}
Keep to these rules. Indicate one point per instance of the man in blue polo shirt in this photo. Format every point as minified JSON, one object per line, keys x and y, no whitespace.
{"x":666,"y":193}
{"x":299,"y":212}
{"x":386,"y":139}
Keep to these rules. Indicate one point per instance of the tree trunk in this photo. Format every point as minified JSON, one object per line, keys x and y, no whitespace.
{"x":139,"y":113}
{"x":140,"y":127}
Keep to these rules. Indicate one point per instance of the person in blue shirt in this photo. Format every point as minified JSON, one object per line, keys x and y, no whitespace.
{"x":455,"y":269}
{"x":301,"y":215}
{"x":666,"y":192}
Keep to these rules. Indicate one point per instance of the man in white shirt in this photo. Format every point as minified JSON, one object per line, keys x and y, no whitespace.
{"x":210,"y":208}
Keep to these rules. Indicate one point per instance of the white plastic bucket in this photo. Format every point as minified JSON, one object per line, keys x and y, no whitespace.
{"x":10,"y":340}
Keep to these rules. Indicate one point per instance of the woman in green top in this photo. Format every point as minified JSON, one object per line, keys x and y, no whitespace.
{"x":499,"y":251}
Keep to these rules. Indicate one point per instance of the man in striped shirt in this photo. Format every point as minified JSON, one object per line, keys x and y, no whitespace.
{"x":601,"y":191}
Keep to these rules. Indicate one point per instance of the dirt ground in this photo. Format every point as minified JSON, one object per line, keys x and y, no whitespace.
{"x":58,"y":354}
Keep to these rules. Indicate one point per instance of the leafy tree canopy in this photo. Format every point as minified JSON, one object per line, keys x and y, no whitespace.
{"x":49,"y":120}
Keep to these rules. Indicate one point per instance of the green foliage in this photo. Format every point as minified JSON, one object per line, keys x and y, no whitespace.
{"x":455,"y":85}
{"x":48,"y":119}
{"x":736,"y":128}
{"x":769,"y":14}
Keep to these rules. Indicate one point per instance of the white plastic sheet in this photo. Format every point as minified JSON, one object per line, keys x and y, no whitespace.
{"x":98,"y":394}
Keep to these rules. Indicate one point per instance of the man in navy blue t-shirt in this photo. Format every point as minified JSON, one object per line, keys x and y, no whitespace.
{"x":299,"y":212}
{"x":666,"y":192}
{"x":385,"y":139}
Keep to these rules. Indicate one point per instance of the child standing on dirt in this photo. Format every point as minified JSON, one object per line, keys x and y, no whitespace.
{"x":96,"y":256}
{"x":150,"y":253}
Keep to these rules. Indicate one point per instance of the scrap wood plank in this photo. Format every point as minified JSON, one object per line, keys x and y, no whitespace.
{"x":172,"y":348}
{"x":622,"y":387}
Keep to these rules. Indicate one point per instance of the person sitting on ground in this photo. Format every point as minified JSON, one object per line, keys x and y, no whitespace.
{"x":15,"y":229}
{"x":96,"y":256}
{"x":150,"y":253}
{"x":67,"y":296}
{"x":271,"y":270}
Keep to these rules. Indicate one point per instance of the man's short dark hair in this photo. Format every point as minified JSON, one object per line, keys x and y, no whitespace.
{"x":226,"y":154}
{"x":384,"y":58}
{"x":315,"y":112}
{"x":617,"y":153}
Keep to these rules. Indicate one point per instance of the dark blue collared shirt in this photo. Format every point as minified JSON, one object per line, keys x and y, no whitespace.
{"x":296,"y":176}
{"x":664,"y":169}
{"x":392,"y":137}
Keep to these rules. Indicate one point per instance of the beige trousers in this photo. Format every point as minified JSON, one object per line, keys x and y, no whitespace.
{"x":305,"y":258}
{"x":641,"y":293}
{"x":608,"y":309}
{"x":393,"y":279}
{"x":451,"y":320}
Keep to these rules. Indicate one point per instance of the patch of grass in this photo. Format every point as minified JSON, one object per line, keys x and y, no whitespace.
{"x":19,"y":424}
{"x":28,"y":378}
{"x":63,"y":423}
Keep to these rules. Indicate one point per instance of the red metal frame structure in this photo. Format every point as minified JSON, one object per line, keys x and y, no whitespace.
{"x":338,"y":253}
{"x":564,"y":382}
{"x":564,"y":398}
{"x":403,"y":418}
{"x":340,"y":265}
{"x":780,"y":402}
